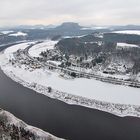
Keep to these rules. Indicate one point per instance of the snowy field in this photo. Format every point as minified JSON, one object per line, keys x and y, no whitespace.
{"x":94,"y":28}
{"x":89,"y":88}
{"x":126,"y":45}
{"x":18,"y":34}
{"x":136,"y":32}
{"x":6,"y":32}
{"x":9,"y":51}
{"x":37,"y":49}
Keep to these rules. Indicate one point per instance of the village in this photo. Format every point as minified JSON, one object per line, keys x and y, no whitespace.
{"x":68,"y":66}
{"x":121,"y":110}
{"x":54,"y":70}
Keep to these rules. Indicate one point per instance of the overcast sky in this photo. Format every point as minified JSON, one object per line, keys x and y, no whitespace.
{"x":86,"y":12}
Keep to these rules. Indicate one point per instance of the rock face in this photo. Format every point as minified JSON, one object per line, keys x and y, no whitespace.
{"x":68,"y":26}
{"x":12,"y":128}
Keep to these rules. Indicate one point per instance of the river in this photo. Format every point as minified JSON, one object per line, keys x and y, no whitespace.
{"x":66,"y":121}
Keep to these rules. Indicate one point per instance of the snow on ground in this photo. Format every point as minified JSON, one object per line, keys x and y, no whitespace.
{"x":81,"y":69}
{"x":6,"y":32}
{"x":9,"y":51}
{"x":56,"y":63}
{"x":94,"y":28}
{"x":82,"y":91}
{"x":89,"y":88}
{"x":136,"y":32}
{"x":18,"y":34}
{"x":39,"y":134}
{"x":37,"y":49}
{"x":124,"y":77}
{"x":126,"y":45}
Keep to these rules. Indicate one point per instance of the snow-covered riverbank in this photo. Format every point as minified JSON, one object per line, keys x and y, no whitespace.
{"x":86,"y":92}
{"x":8,"y":120}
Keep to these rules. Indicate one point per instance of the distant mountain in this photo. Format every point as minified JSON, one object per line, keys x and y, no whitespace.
{"x":68,"y":26}
{"x":36,"y":27}
{"x":43,"y":32}
{"x":125,"y":27}
{"x":23,"y":27}
{"x":72,"y":26}
{"x":51,"y":26}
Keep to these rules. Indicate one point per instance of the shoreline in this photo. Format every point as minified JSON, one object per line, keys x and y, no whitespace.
{"x":118,"y":109}
{"x":121,"y":110}
{"x":13,"y":120}
{"x":10,"y":120}
{"x":113,"y":119}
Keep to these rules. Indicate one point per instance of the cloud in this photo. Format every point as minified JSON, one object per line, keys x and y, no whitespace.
{"x":15,"y":12}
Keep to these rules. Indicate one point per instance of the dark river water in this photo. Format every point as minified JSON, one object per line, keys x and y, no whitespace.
{"x":63,"y":120}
